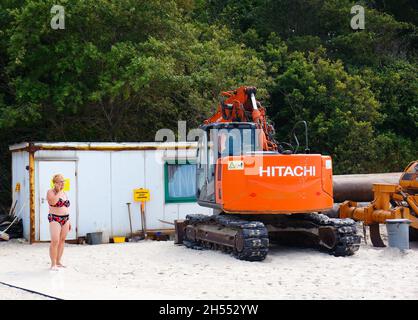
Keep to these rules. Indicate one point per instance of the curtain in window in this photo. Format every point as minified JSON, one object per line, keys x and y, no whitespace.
{"x":181,"y":180}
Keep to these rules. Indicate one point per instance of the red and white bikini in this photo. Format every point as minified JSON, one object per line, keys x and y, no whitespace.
{"x":60,"y":219}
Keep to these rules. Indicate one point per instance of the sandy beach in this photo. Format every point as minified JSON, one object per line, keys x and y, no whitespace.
{"x":162,"y":270}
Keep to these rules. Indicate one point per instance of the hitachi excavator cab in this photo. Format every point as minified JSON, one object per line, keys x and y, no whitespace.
{"x":220,"y":140}
{"x":234,"y":174}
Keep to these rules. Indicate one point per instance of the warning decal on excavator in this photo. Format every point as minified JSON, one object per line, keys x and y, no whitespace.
{"x":235,"y":165}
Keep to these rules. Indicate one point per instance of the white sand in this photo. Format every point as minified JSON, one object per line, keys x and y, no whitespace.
{"x":162,"y":270}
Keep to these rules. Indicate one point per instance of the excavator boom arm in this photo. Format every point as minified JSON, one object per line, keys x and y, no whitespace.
{"x":240,"y":105}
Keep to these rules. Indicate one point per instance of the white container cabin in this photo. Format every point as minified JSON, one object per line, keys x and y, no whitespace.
{"x":100,"y":179}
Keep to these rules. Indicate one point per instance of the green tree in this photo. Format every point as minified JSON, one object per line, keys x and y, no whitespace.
{"x":119,"y":71}
{"x":340,"y":108}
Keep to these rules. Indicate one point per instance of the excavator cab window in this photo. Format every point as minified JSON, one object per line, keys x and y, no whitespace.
{"x":229,"y":142}
{"x":221,"y":140}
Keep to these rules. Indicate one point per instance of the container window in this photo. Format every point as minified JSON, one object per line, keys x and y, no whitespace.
{"x":180,"y":182}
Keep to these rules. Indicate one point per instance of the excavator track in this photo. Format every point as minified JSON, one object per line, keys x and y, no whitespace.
{"x":249,"y":240}
{"x":336,"y":236}
{"x":246,"y":240}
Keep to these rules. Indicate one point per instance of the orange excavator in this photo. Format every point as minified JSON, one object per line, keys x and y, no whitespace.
{"x":260,"y":190}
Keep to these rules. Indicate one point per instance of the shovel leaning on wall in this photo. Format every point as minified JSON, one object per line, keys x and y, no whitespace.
{"x":132,"y":238}
{"x":143,"y":221}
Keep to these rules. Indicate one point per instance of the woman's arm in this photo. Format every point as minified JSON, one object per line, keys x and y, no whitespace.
{"x":52,"y":197}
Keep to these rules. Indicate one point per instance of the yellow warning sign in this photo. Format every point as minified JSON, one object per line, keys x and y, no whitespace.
{"x":17,"y":188}
{"x":66,"y":184}
{"x":235,"y":165}
{"x":141,"y":195}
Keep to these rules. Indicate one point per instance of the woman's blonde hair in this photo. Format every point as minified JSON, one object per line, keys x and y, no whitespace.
{"x":56,"y":177}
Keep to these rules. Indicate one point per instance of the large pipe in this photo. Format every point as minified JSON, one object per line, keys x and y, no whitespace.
{"x":358,"y":187}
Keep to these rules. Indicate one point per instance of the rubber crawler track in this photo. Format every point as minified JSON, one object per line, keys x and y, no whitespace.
{"x":255,"y":239}
{"x":347,"y":239}
{"x":254,"y":236}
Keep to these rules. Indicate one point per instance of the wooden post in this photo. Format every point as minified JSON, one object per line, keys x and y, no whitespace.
{"x":32,"y":194}
{"x":143,"y":219}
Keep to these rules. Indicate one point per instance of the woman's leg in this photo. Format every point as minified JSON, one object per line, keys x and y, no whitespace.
{"x":55,"y":229}
{"x":63,"y":235}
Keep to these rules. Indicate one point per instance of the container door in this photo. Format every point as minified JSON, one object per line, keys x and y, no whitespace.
{"x":46,"y":170}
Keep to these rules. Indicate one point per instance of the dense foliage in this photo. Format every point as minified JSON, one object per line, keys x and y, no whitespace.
{"x":121,"y":70}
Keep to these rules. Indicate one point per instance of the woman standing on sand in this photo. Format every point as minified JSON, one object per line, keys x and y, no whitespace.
{"x":58,"y":217}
